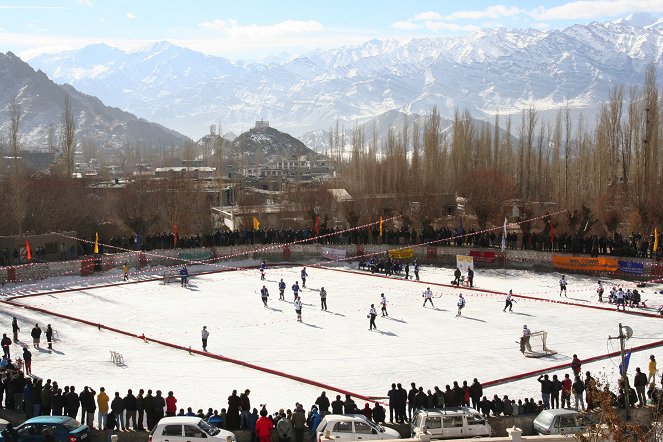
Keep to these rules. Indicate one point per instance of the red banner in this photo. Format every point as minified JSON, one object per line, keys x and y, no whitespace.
{"x":482,"y":256}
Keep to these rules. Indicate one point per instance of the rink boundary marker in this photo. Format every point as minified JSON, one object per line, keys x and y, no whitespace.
{"x":219,"y":357}
{"x":547,"y":370}
{"x":493,"y":292}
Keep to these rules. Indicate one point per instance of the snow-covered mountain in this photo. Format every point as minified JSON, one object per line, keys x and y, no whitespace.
{"x":42,"y":103}
{"x":492,"y":70}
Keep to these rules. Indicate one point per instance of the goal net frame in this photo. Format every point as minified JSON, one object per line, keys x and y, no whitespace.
{"x":171,"y":276}
{"x":538,"y":345}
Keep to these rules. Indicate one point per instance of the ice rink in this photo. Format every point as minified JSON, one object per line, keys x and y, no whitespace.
{"x":426,"y":345}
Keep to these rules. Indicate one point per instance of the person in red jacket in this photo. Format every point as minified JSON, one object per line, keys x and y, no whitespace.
{"x":171,"y":404}
{"x":264,"y":427}
{"x":576,"y":365}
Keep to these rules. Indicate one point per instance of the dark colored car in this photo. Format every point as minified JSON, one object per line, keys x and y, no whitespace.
{"x":63,"y":429}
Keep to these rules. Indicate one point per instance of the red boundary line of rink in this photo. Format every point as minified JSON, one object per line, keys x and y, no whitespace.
{"x":562,"y":366}
{"x":198,"y":352}
{"x":494,"y":292}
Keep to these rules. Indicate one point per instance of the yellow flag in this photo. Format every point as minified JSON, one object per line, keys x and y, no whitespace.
{"x":96,"y":243}
{"x":655,"y":239}
{"x":380,"y":226}
{"x":256,"y":223}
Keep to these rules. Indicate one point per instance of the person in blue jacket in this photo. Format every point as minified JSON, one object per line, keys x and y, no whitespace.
{"x":184,"y":275}
{"x":281,"y":289}
{"x":313,"y":421}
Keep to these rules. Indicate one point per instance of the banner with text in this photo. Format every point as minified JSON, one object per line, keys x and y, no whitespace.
{"x":401,"y":253}
{"x":585,"y":264}
{"x":482,"y":256}
{"x":631,"y":267}
{"x":464,"y":262}
{"x":333,"y":254}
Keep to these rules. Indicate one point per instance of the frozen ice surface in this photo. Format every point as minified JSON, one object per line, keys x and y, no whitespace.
{"x":429,"y":346}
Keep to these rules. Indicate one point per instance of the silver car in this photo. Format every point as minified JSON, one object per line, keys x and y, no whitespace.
{"x":350,"y":427}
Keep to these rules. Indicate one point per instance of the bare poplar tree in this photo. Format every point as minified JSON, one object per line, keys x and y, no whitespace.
{"x":68,"y":137}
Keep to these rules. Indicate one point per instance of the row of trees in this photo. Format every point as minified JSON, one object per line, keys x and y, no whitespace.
{"x":612,"y":167}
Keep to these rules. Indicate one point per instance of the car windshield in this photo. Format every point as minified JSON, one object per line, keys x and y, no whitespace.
{"x":207,"y":428}
{"x":71,"y":424}
{"x":544,"y":419}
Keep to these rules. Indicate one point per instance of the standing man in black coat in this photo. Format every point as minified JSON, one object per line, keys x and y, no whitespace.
{"x":130,"y":405}
{"x":323,"y":404}
{"x":393,"y":401}
{"x":15,"y":329}
{"x":337,"y":405}
{"x":72,"y":402}
{"x":140,"y":407}
{"x":411,"y":399}
{"x":158,"y":403}
{"x":402,"y":403}
{"x":49,"y":337}
{"x":85,"y":399}
{"x":476,"y":391}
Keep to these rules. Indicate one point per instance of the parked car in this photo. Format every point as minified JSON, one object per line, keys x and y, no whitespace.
{"x":352,"y":427}
{"x":184,"y":428}
{"x":63,"y":429}
{"x":561,"y":421}
{"x":449,"y":423}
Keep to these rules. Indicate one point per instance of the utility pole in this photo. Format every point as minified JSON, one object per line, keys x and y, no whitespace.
{"x":625,"y":386}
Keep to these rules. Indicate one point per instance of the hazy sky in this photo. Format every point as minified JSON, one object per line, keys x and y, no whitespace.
{"x":258,"y":28}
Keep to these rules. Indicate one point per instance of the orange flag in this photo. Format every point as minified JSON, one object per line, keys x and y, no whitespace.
{"x":27,"y":250}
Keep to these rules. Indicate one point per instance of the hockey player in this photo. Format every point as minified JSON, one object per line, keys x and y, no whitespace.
{"x":281,"y":289}
{"x":416,"y":270}
{"x":125,"y":271}
{"x":298,"y":308}
{"x":295,"y":289}
{"x":264,"y":294}
{"x":508,"y":301}
{"x":372,"y":314}
{"x":304,"y":275}
{"x":620,"y":299}
{"x":599,"y":291}
{"x":428,"y":297}
{"x":383,"y":305}
{"x":524,"y":340}
{"x":263,"y":267}
{"x":562,"y":286}
{"x":407,"y":270}
{"x":184,"y":276}
{"x":323,"y":299}
{"x":460,"y":304}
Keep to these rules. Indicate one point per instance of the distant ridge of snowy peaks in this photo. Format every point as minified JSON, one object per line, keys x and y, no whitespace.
{"x":42,"y":103}
{"x":492,"y":70}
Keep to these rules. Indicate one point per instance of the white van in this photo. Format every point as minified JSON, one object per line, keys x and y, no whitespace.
{"x":449,"y":423}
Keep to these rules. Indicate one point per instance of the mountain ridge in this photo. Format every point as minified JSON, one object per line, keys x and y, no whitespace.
{"x":489,"y":71}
